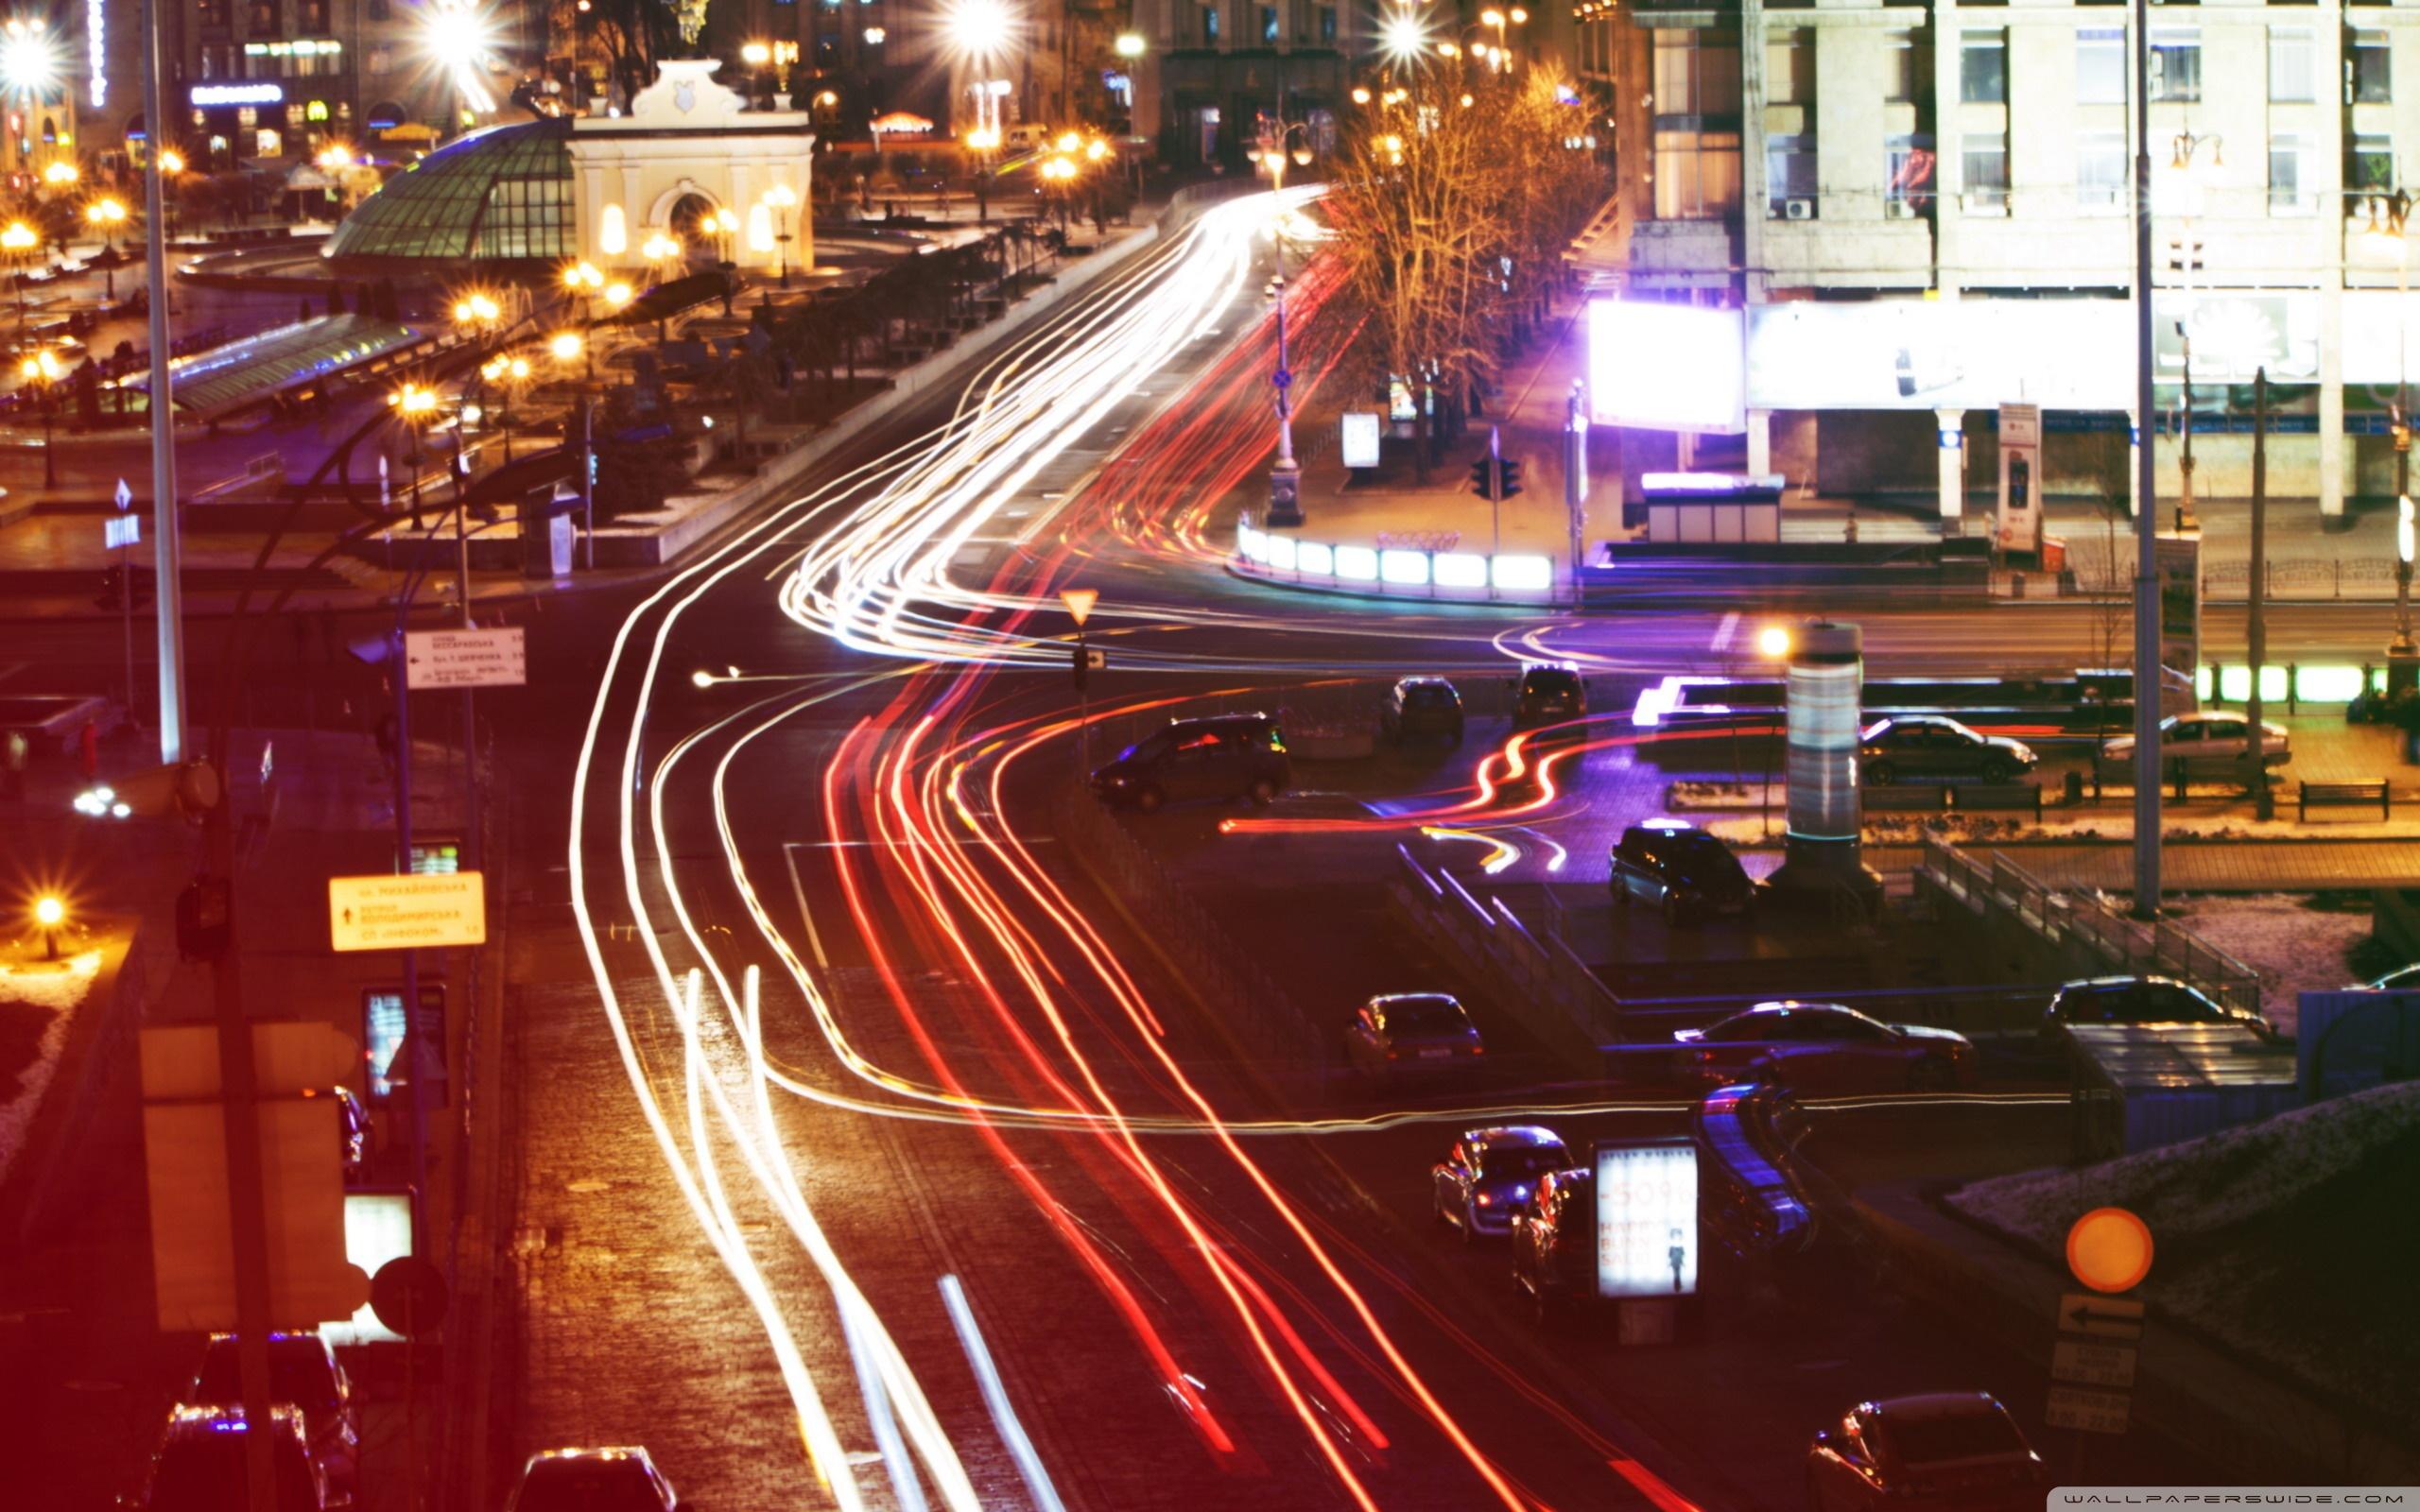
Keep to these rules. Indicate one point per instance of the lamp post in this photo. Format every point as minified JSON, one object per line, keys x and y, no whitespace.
{"x":50,"y":913}
{"x":413,"y":404}
{"x":2388,"y":216}
{"x":783,"y":201}
{"x":17,"y":242}
{"x":506,"y":374}
{"x":660,"y":251}
{"x":2185,"y":160}
{"x":756,"y":55}
{"x":43,"y":368}
{"x":107,"y":215}
{"x":2147,"y":596}
{"x":172,"y":164}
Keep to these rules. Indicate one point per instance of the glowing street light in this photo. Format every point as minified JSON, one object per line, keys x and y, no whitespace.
{"x":49,"y":912}
{"x":980,"y":29}
{"x":43,"y":368}
{"x":1402,"y":36}
{"x":61,"y":174}
{"x":171,"y":161}
{"x":415,"y":404}
{"x":617,"y":294}
{"x":564,"y":345}
{"x":1773,"y":642}
{"x":1131,"y":44}
{"x":29,"y":58}
{"x":107,"y":214}
{"x":456,"y":35}
{"x":477,"y":311}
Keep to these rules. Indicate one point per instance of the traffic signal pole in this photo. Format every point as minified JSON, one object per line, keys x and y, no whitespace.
{"x":169,"y":595}
{"x":2146,"y":584}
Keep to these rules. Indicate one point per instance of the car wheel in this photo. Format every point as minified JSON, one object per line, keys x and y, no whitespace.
{"x":1881,"y":774}
{"x":1264,"y":792}
{"x":1998,"y":769}
{"x":1470,"y":1225}
{"x":1927,"y":1075}
{"x":1148,"y":799}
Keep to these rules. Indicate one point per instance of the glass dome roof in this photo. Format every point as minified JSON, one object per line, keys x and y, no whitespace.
{"x":495,"y":198}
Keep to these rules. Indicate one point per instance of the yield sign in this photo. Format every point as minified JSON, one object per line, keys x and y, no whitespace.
{"x":1080,"y":602}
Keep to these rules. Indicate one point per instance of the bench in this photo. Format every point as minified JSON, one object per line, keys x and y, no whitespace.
{"x":2007,"y":797}
{"x":2344,"y":794}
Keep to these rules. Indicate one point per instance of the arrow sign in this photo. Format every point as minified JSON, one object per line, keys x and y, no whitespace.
{"x":2100,"y":1316}
{"x":124,"y":494}
{"x":1080,"y":602}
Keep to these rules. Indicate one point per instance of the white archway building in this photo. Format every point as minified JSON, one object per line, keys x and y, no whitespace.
{"x":687,"y":136}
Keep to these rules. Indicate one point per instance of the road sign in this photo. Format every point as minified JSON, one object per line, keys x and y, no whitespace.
{"x":2109,"y":1250}
{"x":1095,"y":658}
{"x":465,"y":659}
{"x":390,"y":913}
{"x":1080,"y":602}
{"x":2088,"y":1410}
{"x":2092,"y":1364}
{"x":408,"y":1296}
{"x":1284,"y":379}
{"x":121,"y":530}
{"x":2102,"y":1317}
{"x":124,"y":494}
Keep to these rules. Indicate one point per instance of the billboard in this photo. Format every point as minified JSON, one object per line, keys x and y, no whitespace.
{"x":1665,"y":366}
{"x":1357,"y":437}
{"x":1647,"y":1219}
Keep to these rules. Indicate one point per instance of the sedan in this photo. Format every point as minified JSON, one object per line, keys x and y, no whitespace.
{"x":1944,"y":1452}
{"x":1681,"y":870}
{"x":1411,"y":1034}
{"x":1490,"y":1175}
{"x":2206,"y":740}
{"x":2136,"y":1000}
{"x":1823,"y":1048}
{"x":1930,"y":748}
{"x":593,"y":1480}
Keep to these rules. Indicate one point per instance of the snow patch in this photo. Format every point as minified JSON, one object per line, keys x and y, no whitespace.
{"x":38,"y":990}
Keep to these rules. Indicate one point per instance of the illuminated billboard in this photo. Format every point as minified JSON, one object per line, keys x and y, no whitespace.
{"x":1666,"y":366}
{"x":1647,"y":1219}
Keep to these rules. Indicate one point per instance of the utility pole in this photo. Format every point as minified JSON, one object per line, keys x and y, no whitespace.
{"x":470,"y":848}
{"x":2264,"y":804}
{"x":1495,"y":497}
{"x":168,"y":592}
{"x":1285,"y":478}
{"x":2147,"y":597}
{"x":1575,"y":481}
{"x":588,"y":481}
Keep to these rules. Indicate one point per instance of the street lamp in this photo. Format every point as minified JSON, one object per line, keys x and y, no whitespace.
{"x":415,"y":404}
{"x":756,"y":55}
{"x":507,"y":374}
{"x":2185,"y":160}
{"x":49,"y":912}
{"x":17,"y":242}
{"x":1131,"y":44}
{"x":1285,"y":476}
{"x":61,"y":174}
{"x":43,"y":368}
{"x":784,"y":199}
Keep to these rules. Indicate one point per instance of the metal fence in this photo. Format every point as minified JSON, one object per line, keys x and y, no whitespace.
{"x":2127,"y":945}
{"x":1532,"y":977}
{"x":2295,"y":577}
{"x":1283,"y":1047}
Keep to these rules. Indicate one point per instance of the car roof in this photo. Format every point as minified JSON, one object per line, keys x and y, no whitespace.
{"x":1512,"y":1135}
{"x":2110,"y":984}
{"x":1424,"y":681}
{"x":1932,"y":1406}
{"x":1221,"y":722}
{"x":601,"y":1454}
{"x":1799,"y":1006}
{"x":1383,"y":999}
{"x":1528,"y":667}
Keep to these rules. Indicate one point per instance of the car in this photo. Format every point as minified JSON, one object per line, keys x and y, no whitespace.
{"x":622,"y":1479}
{"x":303,"y":1374}
{"x":2204,"y":741}
{"x":1404,"y":1033}
{"x":1681,"y":870}
{"x":1548,"y":693}
{"x":2402,"y":979}
{"x":1823,"y":1048}
{"x":201,"y":1466}
{"x":1489,"y":1175}
{"x":1554,"y":1242}
{"x":352,"y":1128}
{"x":1942,"y":1451}
{"x":1226,"y":756}
{"x":1932,"y":748}
{"x":2136,"y":1000}
{"x":1420,"y":705}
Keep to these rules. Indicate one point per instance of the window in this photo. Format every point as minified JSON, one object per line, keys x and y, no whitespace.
{"x":1982,"y":67}
{"x":1789,"y":67}
{"x":1906,"y":172}
{"x":210,"y":12}
{"x":2100,"y":170}
{"x":1789,"y":173}
{"x":1328,"y":25}
{"x":1268,"y":23}
{"x":2365,"y":69}
{"x":378,"y":62}
{"x":2289,"y":155}
{"x":1985,"y":166}
{"x":1900,"y":67}
{"x":2176,"y":62}
{"x":381,"y":10}
{"x":1695,"y":77}
{"x":1697,"y":174}
{"x":2371,"y":165}
{"x":1210,"y":24}
{"x":2293,"y":65}
{"x":2100,"y":65}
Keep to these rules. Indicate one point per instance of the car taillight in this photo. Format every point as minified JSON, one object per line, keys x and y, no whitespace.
{"x":1487,"y":1199}
{"x":1474,"y":1050}
{"x":1393,"y":1054}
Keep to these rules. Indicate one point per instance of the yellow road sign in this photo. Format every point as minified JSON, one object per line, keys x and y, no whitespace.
{"x":391,"y":912}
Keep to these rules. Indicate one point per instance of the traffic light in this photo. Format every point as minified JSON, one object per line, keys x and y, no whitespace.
{"x":1481,"y":477}
{"x":1082,"y":663}
{"x":1509,"y":477}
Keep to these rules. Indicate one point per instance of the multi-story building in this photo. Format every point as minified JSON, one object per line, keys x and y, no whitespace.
{"x":1923,"y":212}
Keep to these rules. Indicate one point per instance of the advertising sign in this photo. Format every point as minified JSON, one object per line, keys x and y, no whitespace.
{"x":1647,"y":1219}
{"x":1666,"y":366}
{"x":378,"y":1229}
{"x":2017,"y":526}
{"x":1358,"y":437}
{"x":2180,"y":601}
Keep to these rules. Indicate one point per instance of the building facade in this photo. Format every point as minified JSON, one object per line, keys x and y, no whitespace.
{"x":1943,"y":196}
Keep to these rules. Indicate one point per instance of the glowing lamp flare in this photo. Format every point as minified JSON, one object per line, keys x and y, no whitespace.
{"x":1773,"y":642}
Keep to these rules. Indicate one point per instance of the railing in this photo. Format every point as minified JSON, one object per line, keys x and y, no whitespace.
{"x":2058,"y":914}
{"x":1539,"y":981}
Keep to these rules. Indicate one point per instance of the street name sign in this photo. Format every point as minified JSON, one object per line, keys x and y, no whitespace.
{"x":2088,"y":1410}
{"x":400,"y":913}
{"x":121,"y":530}
{"x":465,"y":659}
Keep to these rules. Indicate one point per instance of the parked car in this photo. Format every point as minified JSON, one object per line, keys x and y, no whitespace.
{"x":1407,"y":1034}
{"x":1554,"y":1242}
{"x":303,"y":1374}
{"x":1490,"y":1174}
{"x":1420,"y":705}
{"x":2136,"y":1000}
{"x":1947,"y":1452}
{"x":1548,"y":693}
{"x":1227,"y":756}
{"x":2202,"y":741}
{"x":2402,"y":979}
{"x":352,"y":1128}
{"x":593,"y":1480}
{"x":1681,"y":870}
{"x":1823,"y":1048}
{"x":201,"y":1466}
{"x":1928,"y":747}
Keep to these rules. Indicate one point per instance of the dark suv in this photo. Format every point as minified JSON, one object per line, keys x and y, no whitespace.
{"x":1548,"y":693}
{"x":1420,"y":705}
{"x":303,"y":1374}
{"x":1554,"y":1242}
{"x":1229,"y":756}
{"x":1680,"y":868}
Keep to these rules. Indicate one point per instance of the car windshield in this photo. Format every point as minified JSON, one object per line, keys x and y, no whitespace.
{"x":1698,"y":856}
{"x":2142,"y":1003}
{"x":298,"y":1373}
{"x":1968,"y":1436}
{"x":1520,"y":1160}
{"x":1746,"y":1026}
{"x":1423,"y":1015}
{"x":588,"y":1485}
{"x":1553,"y":681}
{"x":1428,"y":693}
